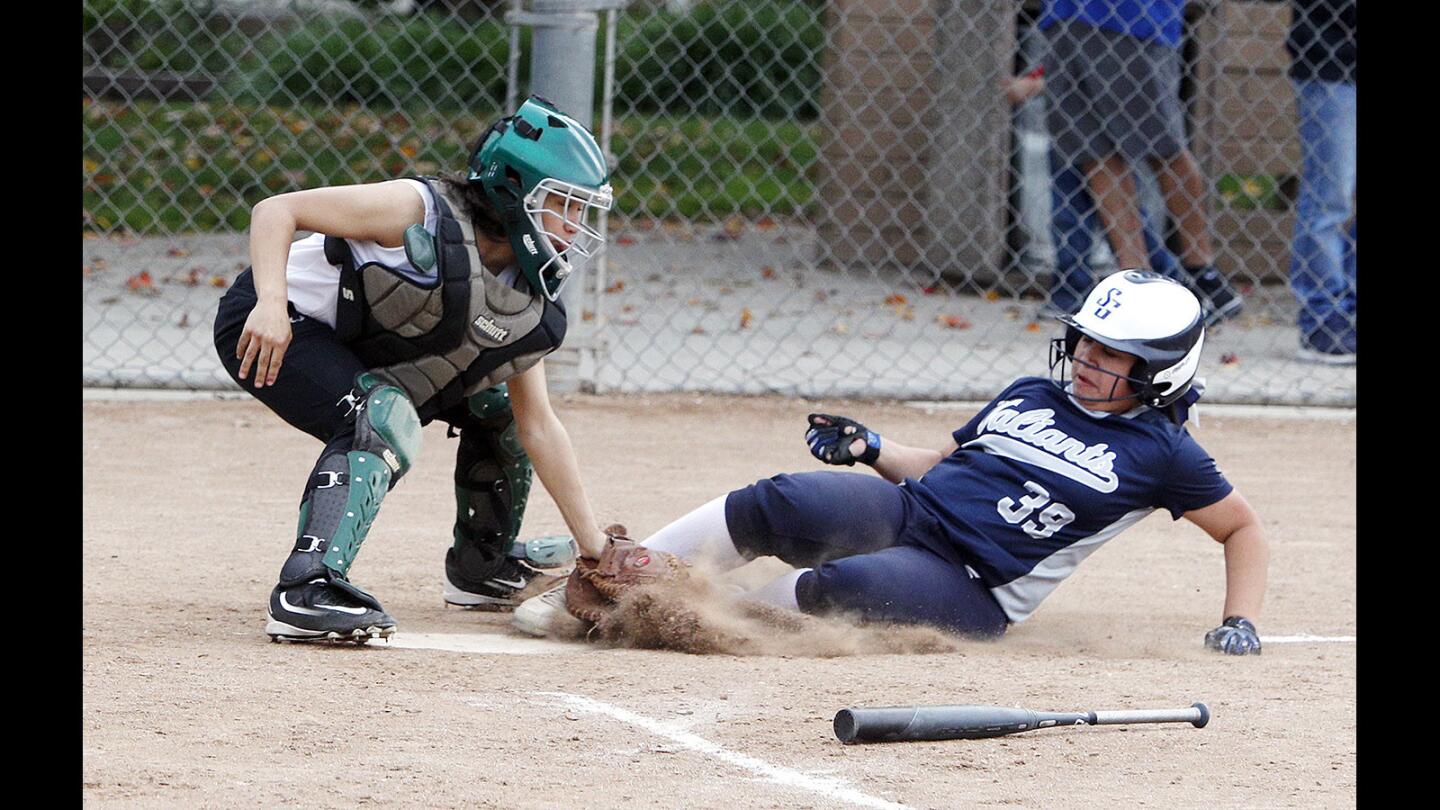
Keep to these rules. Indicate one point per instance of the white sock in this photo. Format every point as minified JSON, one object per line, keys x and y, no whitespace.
{"x":701,"y":537}
{"x":779,"y":591}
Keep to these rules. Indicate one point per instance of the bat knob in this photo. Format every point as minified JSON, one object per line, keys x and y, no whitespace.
{"x":1204,"y":715}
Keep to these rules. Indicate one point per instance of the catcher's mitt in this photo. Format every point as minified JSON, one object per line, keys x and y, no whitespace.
{"x":595,"y":586}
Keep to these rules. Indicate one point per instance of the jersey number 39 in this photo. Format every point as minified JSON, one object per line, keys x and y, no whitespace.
{"x":1051,"y":519}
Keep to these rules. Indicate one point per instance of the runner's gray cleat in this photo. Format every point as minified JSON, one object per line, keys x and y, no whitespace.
{"x":535,"y":614}
{"x":326,"y":610}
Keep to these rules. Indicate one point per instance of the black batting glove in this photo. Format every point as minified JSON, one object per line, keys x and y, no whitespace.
{"x":1237,"y":636}
{"x":830,"y":438}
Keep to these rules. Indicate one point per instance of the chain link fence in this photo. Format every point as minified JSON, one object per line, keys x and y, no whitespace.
{"x":845,"y":198}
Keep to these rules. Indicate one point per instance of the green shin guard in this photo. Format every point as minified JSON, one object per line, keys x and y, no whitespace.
{"x":347,"y":489}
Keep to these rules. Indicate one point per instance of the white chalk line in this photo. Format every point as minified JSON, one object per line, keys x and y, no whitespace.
{"x":494,"y":644}
{"x":831,"y":788}
{"x":1304,"y":639}
{"x":483,"y":643}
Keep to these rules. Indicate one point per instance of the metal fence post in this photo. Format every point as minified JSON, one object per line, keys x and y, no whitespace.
{"x":562,"y":69}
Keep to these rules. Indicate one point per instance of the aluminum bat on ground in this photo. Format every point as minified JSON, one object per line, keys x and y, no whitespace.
{"x":909,"y":723}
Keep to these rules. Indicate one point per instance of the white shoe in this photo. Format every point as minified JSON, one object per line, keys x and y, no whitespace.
{"x":534,"y":615}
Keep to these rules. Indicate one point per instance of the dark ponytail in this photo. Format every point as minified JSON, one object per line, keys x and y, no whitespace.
{"x":477,"y":206}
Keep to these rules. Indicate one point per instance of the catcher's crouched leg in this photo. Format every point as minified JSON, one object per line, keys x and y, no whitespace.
{"x":485,"y":567}
{"x":314,"y":599}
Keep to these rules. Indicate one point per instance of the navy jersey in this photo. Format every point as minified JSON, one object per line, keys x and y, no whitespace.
{"x":1038,"y":483}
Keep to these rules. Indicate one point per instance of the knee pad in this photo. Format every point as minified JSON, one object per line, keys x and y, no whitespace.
{"x":386,"y":424}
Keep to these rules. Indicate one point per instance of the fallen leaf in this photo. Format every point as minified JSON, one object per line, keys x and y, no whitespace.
{"x":645,"y":225}
{"x":184,"y":320}
{"x":734,"y":227}
{"x":699,"y":330}
{"x":931,"y":290}
{"x":1229,"y":359}
{"x":840,"y":328}
{"x":1032,"y":327}
{"x":765,"y":224}
{"x":616,"y":286}
{"x":895,"y":298}
{"x":953,"y":321}
{"x":628,"y":308}
{"x":190,"y":279}
{"x":821,"y":296}
{"x":141,"y":282}
{"x":99,"y":263}
{"x":177,"y":252}
{"x":217,"y":281}
{"x":992,"y":295}
{"x":694,"y":302}
{"x":587,"y":315}
{"x":767,"y":272}
{"x":624,"y":239}
{"x":745,"y":317}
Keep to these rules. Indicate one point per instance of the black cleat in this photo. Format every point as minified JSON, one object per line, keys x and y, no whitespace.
{"x":503,"y":590}
{"x":322,"y":610}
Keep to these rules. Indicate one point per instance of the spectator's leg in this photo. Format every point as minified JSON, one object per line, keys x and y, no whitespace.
{"x":1183,"y":186}
{"x":1072,"y":227}
{"x":1350,"y":243}
{"x":1318,"y":275}
{"x":1162,"y":259}
{"x":1113,"y":188}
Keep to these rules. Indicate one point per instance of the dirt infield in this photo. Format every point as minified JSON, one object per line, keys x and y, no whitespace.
{"x":189,"y":509}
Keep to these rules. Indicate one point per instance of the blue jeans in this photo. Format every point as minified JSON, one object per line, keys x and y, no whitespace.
{"x":1322,"y":263}
{"x":1074,"y":224}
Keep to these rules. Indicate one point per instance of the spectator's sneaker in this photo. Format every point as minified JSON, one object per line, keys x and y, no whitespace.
{"x":503,"y":590}
{"x":326,"y":610}
{"x":535,"y":614}
{"x":1220,"y":300}
{"x":1332,"y":344}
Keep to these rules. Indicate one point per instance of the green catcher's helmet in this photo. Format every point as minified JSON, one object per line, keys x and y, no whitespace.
{"x":540,"y":154}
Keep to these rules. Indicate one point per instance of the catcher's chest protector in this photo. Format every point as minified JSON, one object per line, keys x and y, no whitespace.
{"x":446,"y":334}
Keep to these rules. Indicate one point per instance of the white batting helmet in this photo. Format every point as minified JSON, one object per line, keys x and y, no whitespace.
{"x":1144,"y":314}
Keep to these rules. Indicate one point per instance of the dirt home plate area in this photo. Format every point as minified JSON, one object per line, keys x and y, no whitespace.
{"x":190,"y":508}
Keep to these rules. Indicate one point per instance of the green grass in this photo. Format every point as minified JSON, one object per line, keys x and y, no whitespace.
{"x":1251,"y":192}
{"x":159,"y":168}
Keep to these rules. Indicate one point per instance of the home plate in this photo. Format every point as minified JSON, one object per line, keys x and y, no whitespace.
{"x":488,"y":644}
{"x":1307,"y":639}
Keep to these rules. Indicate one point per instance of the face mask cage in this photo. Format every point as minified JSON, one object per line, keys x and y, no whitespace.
{"x":580,"y":206}
{"x":1062,"y":358}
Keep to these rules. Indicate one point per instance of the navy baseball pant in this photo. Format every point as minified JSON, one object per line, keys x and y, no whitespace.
{"x":864,"y":539}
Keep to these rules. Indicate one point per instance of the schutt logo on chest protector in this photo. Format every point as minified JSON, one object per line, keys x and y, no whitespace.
{"x":492,"y":329}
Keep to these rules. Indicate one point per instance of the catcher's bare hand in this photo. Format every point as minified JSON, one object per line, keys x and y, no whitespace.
{"x":263,"y":342}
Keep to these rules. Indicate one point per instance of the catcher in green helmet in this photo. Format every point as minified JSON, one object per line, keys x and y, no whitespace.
{"x":546,"y":176}
{"x":418,"y":299}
